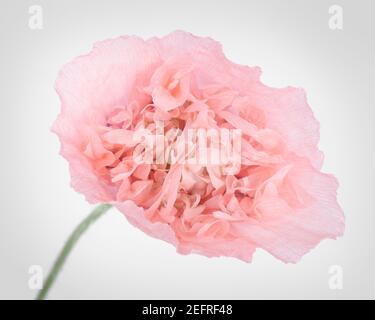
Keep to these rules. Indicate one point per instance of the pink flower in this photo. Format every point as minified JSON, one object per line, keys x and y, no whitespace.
{"x":274,"y":197}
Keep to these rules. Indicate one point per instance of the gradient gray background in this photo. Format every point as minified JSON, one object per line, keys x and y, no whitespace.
{"x":292,"y":43}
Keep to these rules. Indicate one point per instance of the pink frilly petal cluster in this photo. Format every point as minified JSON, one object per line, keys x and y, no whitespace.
{"x":277,"y":199}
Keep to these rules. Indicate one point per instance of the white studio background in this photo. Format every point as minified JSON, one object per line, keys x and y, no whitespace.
{"x":290,"y":40}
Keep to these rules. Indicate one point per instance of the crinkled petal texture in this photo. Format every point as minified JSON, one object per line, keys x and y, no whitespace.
{"x":275,"y":198}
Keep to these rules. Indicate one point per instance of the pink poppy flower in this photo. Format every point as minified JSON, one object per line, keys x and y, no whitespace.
{"x":273,"y":196}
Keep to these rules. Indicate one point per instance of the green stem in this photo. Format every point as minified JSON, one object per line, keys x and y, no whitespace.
{"x":72,"y":240}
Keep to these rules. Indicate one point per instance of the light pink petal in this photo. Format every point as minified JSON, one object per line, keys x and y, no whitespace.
{"x":208,"y":59}
{"x":237,"y":248}
{"x":289,"y":114}
{"x":137,"y":217}
{"x":288,"y":236}
{"x":89,"y":87}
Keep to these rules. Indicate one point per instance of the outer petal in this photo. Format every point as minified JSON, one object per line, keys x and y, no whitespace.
{"x":237,"y":248}
{"x":288,"y":112}
{"x":289,"y":236}
{"x":137,"y":217}
{"x":207,"y":56}
{"x":89,"y":87}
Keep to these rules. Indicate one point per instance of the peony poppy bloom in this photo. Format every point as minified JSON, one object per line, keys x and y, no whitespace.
{"x":133,"y":114}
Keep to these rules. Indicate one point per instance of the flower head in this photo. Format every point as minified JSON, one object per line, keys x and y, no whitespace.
{"x":194,"y":149}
